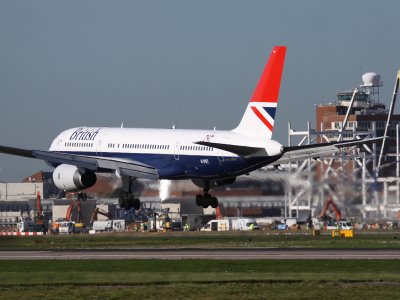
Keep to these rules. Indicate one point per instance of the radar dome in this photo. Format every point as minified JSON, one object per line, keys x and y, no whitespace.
{"x":371,"y":78}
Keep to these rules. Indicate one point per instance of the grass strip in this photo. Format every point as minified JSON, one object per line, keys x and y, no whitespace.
{"x":200,"y":279}
{"x":200,"y":240}
{"x":135,"y":279}
{"x":275,"y":266}
{"x":232,"y":291}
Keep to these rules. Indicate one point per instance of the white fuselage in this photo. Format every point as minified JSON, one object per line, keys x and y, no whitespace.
{"x":172,"y":151}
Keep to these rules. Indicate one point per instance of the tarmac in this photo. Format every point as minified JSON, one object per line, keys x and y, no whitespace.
{"x":227,"y":253}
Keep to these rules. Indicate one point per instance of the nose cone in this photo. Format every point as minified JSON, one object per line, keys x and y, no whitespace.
{"x":274,"y":148}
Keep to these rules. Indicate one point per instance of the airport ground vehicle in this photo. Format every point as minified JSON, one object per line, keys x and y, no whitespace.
{"x":244,"y":224}
{"x":282,"y":226}
{"x":347,"y":225}
{"x":218,"y":225}
{"x":72,"y":221}
{"x":109,"y":225}
{"x":66,"y":227}
{"x":26,"y":225}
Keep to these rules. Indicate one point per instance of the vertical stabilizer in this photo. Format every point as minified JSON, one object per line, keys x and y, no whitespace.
{"x":258,"y":119}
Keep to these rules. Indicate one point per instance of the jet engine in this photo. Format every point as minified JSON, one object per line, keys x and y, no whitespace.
{"x":71,"y":179}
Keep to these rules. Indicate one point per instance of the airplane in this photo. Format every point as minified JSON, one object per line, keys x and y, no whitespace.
{"x":208,"y":157}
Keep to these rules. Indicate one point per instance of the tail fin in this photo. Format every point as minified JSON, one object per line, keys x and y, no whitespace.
{"x":258,"y":119}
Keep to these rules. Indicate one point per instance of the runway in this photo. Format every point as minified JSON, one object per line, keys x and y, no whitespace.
{"x":204,"y":254}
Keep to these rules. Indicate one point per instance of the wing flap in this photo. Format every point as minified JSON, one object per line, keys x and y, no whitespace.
{"x":129,"y":168}
{"x":85,"y":162}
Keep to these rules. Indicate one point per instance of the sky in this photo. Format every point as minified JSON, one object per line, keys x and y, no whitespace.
{"x":190,"y":63}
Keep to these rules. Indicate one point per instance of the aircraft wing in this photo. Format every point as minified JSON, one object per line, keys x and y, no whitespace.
{"x":297,"y":153}
{"x":125,"y":167}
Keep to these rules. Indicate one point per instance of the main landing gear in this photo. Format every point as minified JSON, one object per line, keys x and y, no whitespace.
{"x":126,"y":199}
{"x":206,"y":200}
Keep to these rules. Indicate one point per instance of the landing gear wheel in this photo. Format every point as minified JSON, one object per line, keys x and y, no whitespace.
{"x":122,"y":201}
{"x":206,"y":201}
{"x":199,"y":200}
{"x":136,"y":204}
{"x":214,"y":202}
{"x":128,"y":201}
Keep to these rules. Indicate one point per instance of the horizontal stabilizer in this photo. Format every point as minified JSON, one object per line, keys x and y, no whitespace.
{"x":303,"y":152}
{"x":341,"y":144}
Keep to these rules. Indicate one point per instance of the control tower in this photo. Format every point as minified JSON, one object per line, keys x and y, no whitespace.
{"x":366,"y":114}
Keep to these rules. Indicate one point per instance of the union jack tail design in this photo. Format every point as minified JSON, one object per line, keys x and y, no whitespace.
{"x":258,"y":119}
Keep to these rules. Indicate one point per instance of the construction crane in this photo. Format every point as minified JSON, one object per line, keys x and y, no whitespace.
{"x":75,"y":204}
{"x":337,"y":211}
{"x":99,"y":211}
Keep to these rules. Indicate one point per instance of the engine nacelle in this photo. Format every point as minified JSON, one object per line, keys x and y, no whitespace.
{"x":69,"y":178}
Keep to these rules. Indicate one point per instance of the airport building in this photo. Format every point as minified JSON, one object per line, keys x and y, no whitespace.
{"x":363,"y":181}
{"x":362,"y":114}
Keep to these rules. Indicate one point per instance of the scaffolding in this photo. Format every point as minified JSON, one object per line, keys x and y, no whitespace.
{"x":310,"y":182}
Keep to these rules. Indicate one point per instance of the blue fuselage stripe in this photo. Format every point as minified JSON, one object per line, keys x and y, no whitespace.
{"x":184,"y":166}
